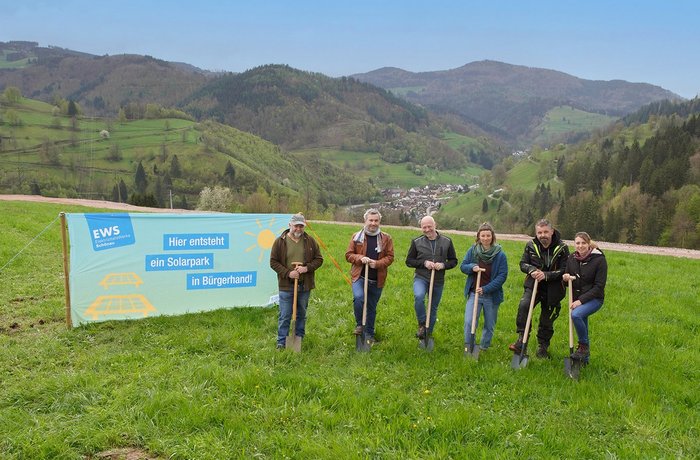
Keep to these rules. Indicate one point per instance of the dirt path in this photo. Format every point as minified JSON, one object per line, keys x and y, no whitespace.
{"x":654,"y":250}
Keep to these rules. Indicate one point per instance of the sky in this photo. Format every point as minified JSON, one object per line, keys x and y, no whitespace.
{"x":654,"y":42}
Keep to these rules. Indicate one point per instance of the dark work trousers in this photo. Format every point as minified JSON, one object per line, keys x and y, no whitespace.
{"x":548,"y":314}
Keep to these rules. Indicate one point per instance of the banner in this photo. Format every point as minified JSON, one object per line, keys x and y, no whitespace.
{"x":132,"y":265}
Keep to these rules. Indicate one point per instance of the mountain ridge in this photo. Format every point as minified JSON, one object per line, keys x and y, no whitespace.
{"x":512,"y":98}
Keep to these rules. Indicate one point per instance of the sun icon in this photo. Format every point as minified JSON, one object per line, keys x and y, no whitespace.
{"x":265,"y":239}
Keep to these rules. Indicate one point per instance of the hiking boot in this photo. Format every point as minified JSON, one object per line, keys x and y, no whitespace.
{"x":517,"y":346}
{"x":358,"y":330}
{"x":582,"y":353}
{"x":421,"y":331}
{"x":542,"y":352}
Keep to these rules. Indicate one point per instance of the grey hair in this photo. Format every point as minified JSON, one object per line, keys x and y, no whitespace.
{"x":544,"y":223}
{"x":372,"y":211}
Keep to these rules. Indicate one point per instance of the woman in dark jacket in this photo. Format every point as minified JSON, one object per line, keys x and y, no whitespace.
{"x":588,"y":270}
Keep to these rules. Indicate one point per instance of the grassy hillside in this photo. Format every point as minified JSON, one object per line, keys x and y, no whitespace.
{"x":212,"y":386}
{"x":370,"y":167}
{"x":512,"y":202}
{"x":45,"y":152}
{"x":565,"y":121}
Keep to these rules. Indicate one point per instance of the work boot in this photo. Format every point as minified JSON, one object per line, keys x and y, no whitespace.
{"x":542,"y":352}
{"x":358,"y":330}
{"x":582,"y":353}
{"x":421,"y":331}
{"x":517,"y":346}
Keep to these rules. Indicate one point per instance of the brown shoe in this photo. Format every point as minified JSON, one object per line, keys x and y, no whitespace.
{"x":582,"y":353}
{"x":358,"y":330}
{"x":517,"y":346}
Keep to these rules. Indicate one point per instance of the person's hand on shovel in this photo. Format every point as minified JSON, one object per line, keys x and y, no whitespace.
{"x":430,"y":265}
{"x":479,"y":290}
{"x":366,"y":260}
{"x":566,"y":278}
{"x":538,"y":275}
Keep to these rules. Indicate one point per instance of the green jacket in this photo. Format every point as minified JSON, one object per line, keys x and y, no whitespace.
{"x":278,"y":262}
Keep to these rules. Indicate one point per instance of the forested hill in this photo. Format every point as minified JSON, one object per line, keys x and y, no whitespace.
{"x":298,"y":109}
{"x":101,"y":85}
{"x":273,"y":100}
{"x":633,"y":187}
{"x":291,"y":108}
{"x":513,"y":99}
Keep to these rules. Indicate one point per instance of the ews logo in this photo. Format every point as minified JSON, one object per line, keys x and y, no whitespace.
{"x":109,"y":231}
{"x":106,"y":232}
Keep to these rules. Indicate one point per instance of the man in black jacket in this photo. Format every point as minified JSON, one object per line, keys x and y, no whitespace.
{"x":544,"y":259}
{"x":430,"y":251}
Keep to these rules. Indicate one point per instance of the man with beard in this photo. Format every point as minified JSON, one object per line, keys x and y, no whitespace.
{"x":544,"y":259}
{"x":370,"y":246}
{"x":294,"y":256}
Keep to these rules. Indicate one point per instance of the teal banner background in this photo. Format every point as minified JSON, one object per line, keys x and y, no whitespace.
{"x":133,"y":265}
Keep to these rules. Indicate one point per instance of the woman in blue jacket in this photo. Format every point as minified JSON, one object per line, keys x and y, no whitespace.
{"x":488,"y":256}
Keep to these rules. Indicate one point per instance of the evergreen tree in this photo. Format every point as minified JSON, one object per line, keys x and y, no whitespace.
{"x":175,"y":170}
{"x":72,"y":108}
{"x":123,"y":193}
{"x":140,"y":180}
{"x":230,"y":173}
{"x":484,"y":206}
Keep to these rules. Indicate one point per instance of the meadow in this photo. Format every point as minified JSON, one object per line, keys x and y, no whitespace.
{"x":562,"y":120}
{"x":368,"y":165}
{"x":212,"y":385}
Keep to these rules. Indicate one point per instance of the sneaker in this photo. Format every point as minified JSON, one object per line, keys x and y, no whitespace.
{"x":358,"y":330}
{"x":542,"y":352}
{"x":280,"y":346}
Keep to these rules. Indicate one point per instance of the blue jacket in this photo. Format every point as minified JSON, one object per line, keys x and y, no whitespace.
{"x":499,"y":273}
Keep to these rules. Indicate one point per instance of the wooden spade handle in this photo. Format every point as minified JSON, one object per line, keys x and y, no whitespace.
{"x":296,"y":287}
{"x":476,"y":299}
{"x":430,"y":301}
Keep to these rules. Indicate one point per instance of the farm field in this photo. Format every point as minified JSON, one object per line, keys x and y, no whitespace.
{"x":212,"y":385}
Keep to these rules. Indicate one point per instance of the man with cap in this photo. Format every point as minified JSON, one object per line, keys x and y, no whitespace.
{"x":373,"y":248}
{"x":294,"y":255}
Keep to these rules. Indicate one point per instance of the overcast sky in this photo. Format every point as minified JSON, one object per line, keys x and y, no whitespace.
{"x":653,"y":42}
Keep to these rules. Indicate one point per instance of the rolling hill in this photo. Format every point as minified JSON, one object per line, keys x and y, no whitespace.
{"x":512,"y":100}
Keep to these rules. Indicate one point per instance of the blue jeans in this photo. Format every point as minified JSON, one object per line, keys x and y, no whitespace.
{"x":579,"y":316}
{"x":490,"y":317}
{"x":285,"y":316}
{"x":420,"y":291}
{"x":373,"y":295}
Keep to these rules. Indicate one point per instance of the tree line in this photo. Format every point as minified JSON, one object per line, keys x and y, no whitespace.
{"x":643,"y":193}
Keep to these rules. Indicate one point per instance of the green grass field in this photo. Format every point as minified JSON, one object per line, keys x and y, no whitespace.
{"x":212,"y":386}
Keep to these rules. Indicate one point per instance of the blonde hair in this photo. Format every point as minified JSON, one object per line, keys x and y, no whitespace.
{"x":587,"y":238}
{"x":483,"y":227}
